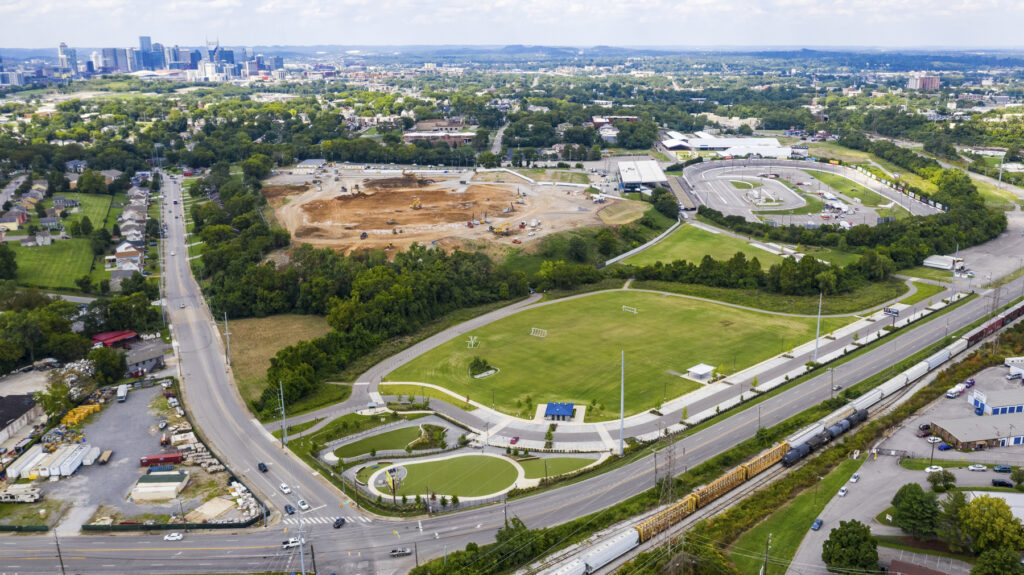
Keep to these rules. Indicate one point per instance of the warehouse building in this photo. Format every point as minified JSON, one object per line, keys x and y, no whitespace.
{"x":981,"y":432}
{"x":998,"y":402}
{"x":17,"y":411}
{"x":160,"y":485}
{"x":641,"y":175}
{"x":310,"y":166}
{"x":702,"y":142}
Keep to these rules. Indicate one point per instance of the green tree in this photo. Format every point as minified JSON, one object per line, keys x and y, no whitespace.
{"x":8,"y":264}
{"x":1017,"y":476}
{"x":86,"y":225}
{"x":109,"y":364}
{"x":850,"y":547}
{"x":578,"y":249}
{"x":988,"y":523}
{"x":948,"y":528}
{"x":606,"y":242}
{"x":942,"y":480}
{"x":54,"y":398}
{"x":998,"y":562}
{"x":91,"y":182}
{"x":487,"y":160}
{"x":917,"y":512}
{"x":84,"y":283}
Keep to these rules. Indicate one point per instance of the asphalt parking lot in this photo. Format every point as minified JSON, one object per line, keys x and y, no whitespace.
{"x":905,"y":439}
{"x":130,"y":430}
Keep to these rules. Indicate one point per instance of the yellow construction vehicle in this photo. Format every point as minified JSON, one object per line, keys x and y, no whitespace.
{"x":503,"y":229}
{"x":416,"y":204}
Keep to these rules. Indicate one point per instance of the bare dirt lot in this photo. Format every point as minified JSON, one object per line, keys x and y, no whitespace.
{"x":355,"y":209}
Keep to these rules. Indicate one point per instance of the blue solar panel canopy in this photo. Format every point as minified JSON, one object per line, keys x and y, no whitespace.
{"x":559,"y":410}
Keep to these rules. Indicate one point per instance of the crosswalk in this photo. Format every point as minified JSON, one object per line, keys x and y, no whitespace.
{"x":324,"y":520}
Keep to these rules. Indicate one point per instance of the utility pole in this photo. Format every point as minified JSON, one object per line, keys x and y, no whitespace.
{"x":832,"y":382}
{"x":181,"y":509}
{"x":302,"y":544}
{"x":767,"y":546}
{"x":505,"y":508}
{"x":284,"y":424}
{"x":59,"y":555}
{"x":416,"y":551}
{"x":227,"y":334}
{"x":312,"y":553}
{"x":622,"y":401}
{"x":817,"y":332}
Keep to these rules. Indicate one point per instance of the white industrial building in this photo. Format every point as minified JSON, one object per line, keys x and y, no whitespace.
{"x":310,"y":166}
{"x":638,"y":175}
{"x":703,"y":142}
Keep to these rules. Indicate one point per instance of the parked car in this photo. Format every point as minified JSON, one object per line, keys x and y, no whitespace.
{"x":977,"y":467}
{"x":934,"y":439}
{"x":945,"y":447}
{"x":289,"y":510}
{"x":932,"y":469}
{"x":924,"y":427}
{"x":816,"y":525}
{"x":285,"y":489}
{"x":1002,"y":469}
{"x":173,"y":537}
{"x":1001,"y":483}
{"x":514,"y":441}
{"x":843,"y":491}
{"x":855,"y":478}
{"x":303,"y":505}
{"x":969,"y":382}
{"x":923,"y":433}
{"x":262,"y":467}
{"x":339,"y":522}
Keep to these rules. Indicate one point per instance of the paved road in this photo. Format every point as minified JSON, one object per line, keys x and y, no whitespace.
{"x":496,"y":144}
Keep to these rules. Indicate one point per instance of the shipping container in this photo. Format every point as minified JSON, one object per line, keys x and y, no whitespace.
{"x":74,"y":461}
{"x":90,"y":458}
{"x":160,"y":459}
{"x":603,"y":553}
{"x":766,"y":459}
{"x":666,"y":518}
{"x":720,"y":486}
{"x":21,"y":464}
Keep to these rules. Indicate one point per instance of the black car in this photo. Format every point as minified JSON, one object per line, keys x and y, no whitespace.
{"x":339,"y":522}
{"x":1001,"y":483}
{"x":924,"y":427}
{"x":289,"y":510}
{"x":262,"y":467}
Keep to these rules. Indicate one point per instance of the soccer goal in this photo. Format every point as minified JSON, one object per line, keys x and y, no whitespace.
{"x":472,"y":342}
{"x":630,"y":309}
{"x":538,"y":332}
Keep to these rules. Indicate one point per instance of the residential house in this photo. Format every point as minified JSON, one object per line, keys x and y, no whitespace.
{"x":76,"y":166}
{"x":28,"y":242}
{"x":51,"y":223}
{"x":64,"y":202}
{"x":609,"y":133}
{"x":111,"y":175}
{"x":44,"y":238}
{"x":10,"y":221}
{"x":140,"y":177}
{"x":128,"y":257}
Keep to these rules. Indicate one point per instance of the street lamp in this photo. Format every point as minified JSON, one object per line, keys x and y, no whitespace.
{"x":832,"y":382}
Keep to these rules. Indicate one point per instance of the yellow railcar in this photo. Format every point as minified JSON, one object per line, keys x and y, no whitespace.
{"x":664,"y":519}
{"x":766,"y":459}
{"x":720,"y":486}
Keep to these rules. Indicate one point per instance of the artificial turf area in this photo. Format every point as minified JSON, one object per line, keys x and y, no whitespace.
{"x":578,"y":360}
{"x":54,"y":266}
{"x":394,"y":439}
{"x":535,"y":468}
{"x":466,"y":476}
{"x":691,"y":243}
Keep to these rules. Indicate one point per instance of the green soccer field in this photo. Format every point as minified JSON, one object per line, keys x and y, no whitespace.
{"x":54,"y":266}
{"x":691,"y":243}
{"x":466,"y":476}
{"x":578,"y":361}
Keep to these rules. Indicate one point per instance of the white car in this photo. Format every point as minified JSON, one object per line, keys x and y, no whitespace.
{"x":172,"y":252}
{"x":977,"y":467}
{"x":855,"y":478}
{"x":303,"y":505}
{"x":173,"y":537}
{"x":932,"y":469}
{"x":843,"y":492}
{"x":285,"y":489}
{"x":933,"y":439}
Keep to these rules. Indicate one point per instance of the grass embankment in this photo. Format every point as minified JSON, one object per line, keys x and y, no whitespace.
{"x":293,"y":429}
{"x":928,"y":274}
{"x":394,"y":439}
{"x":555,"y":175}
{"x":744,"y":185}
{"x":925,"y":291}
{"x":354,"y":423}
{"x":536,"y":468}
{"x":691,"y":243}
{"x":623,"y":212}
{"x":466,"y":476}
{"x":830,"y":255}
{"x":789,"y":525}
{"x":579,"y":357}
{"x":863,"y":298}
{"x":254,"y":341}
{"x":851,"y":189}
{"x":417,"y":393}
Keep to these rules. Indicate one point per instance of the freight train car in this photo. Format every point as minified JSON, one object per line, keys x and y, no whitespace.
{"x":720,"y":486}
{"x":664,"y":519}
{"x":766,"y":459}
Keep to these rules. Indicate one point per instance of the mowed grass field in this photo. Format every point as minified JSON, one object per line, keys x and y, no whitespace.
{"x":466,"y":476}
{"x":623,"y":211}
{"x":578,"y":361}
{"x":255,"y":340}
{"x":535,"y":468}
{"x":691,"y":243}
{"x":95,"y":206}
{"x":54,"y":266}
{"x":850,"y":188}
{"x":394,"y":439}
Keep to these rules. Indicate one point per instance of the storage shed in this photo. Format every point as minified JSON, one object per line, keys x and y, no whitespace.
{"x":701,"y":372}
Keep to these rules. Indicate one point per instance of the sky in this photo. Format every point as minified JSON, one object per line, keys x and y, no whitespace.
{"x":677,"y":23}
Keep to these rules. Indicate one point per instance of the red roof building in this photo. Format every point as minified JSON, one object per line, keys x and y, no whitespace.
{"x":111,"y":338}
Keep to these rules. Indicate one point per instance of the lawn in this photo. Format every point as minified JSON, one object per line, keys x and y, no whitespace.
{"x":566,"y":176}
{"x":28,"y":513}
{"x":394,"y":439}
{"x":924,"y":292}
{"x":466,"y":476}
{"x":354,"y":423}
{"x":789,"y":525}
{"x":928,"y":274}
{"x":55,"y":266}
{"x":691,"y":243}
{"x":813,"y":203}
{"x":254,"y":341}
{"x":578,"y":360}
{"x":920,"y":463}
{"x":994,"y":197}
{"x":851,"y":189}
{"x":830,"y":255}
{"x":364,"y":473}
{"x":418,"y":392}
{"x":741,"y":185}
{"x":862,"y":298}
{"x":294,"y":429}
{"x":623,"y":211}
{"x":95,"y":206}
{"x":535,"y":468}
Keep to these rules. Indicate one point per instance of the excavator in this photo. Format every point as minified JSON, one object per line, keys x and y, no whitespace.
{"x":502,"y":229}
{"x":416,"y":204}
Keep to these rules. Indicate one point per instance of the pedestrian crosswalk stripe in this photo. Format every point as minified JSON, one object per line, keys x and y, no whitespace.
{"x":323,"y":520}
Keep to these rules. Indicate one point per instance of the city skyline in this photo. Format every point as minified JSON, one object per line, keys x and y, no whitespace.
{"x":39,"y":24}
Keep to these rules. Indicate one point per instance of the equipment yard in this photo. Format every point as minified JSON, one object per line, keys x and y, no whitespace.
{"x":387,"y":209}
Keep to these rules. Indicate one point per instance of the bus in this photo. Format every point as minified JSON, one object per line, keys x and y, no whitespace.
{"x":122,"y":392}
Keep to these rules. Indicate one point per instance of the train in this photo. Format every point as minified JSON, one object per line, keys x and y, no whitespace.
{"x":788,"y":452}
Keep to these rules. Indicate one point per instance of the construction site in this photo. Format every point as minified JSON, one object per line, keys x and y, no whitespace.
{"x":347,"y":209}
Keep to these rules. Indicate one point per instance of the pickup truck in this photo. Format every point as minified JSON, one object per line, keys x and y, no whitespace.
{"x":293,"y":542}
{"x":400,"y":552}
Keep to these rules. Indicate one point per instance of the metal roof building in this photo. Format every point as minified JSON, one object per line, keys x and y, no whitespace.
{"x":981,"y":432}
{"x":998,"y":402}
{"x":634,"y":174}
{"x":560,"y":411}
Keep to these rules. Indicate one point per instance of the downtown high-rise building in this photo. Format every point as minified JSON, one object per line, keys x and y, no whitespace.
{"x":67,"y":59}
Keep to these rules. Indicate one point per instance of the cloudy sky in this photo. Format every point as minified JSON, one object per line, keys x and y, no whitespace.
{"x":698,"y":23}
